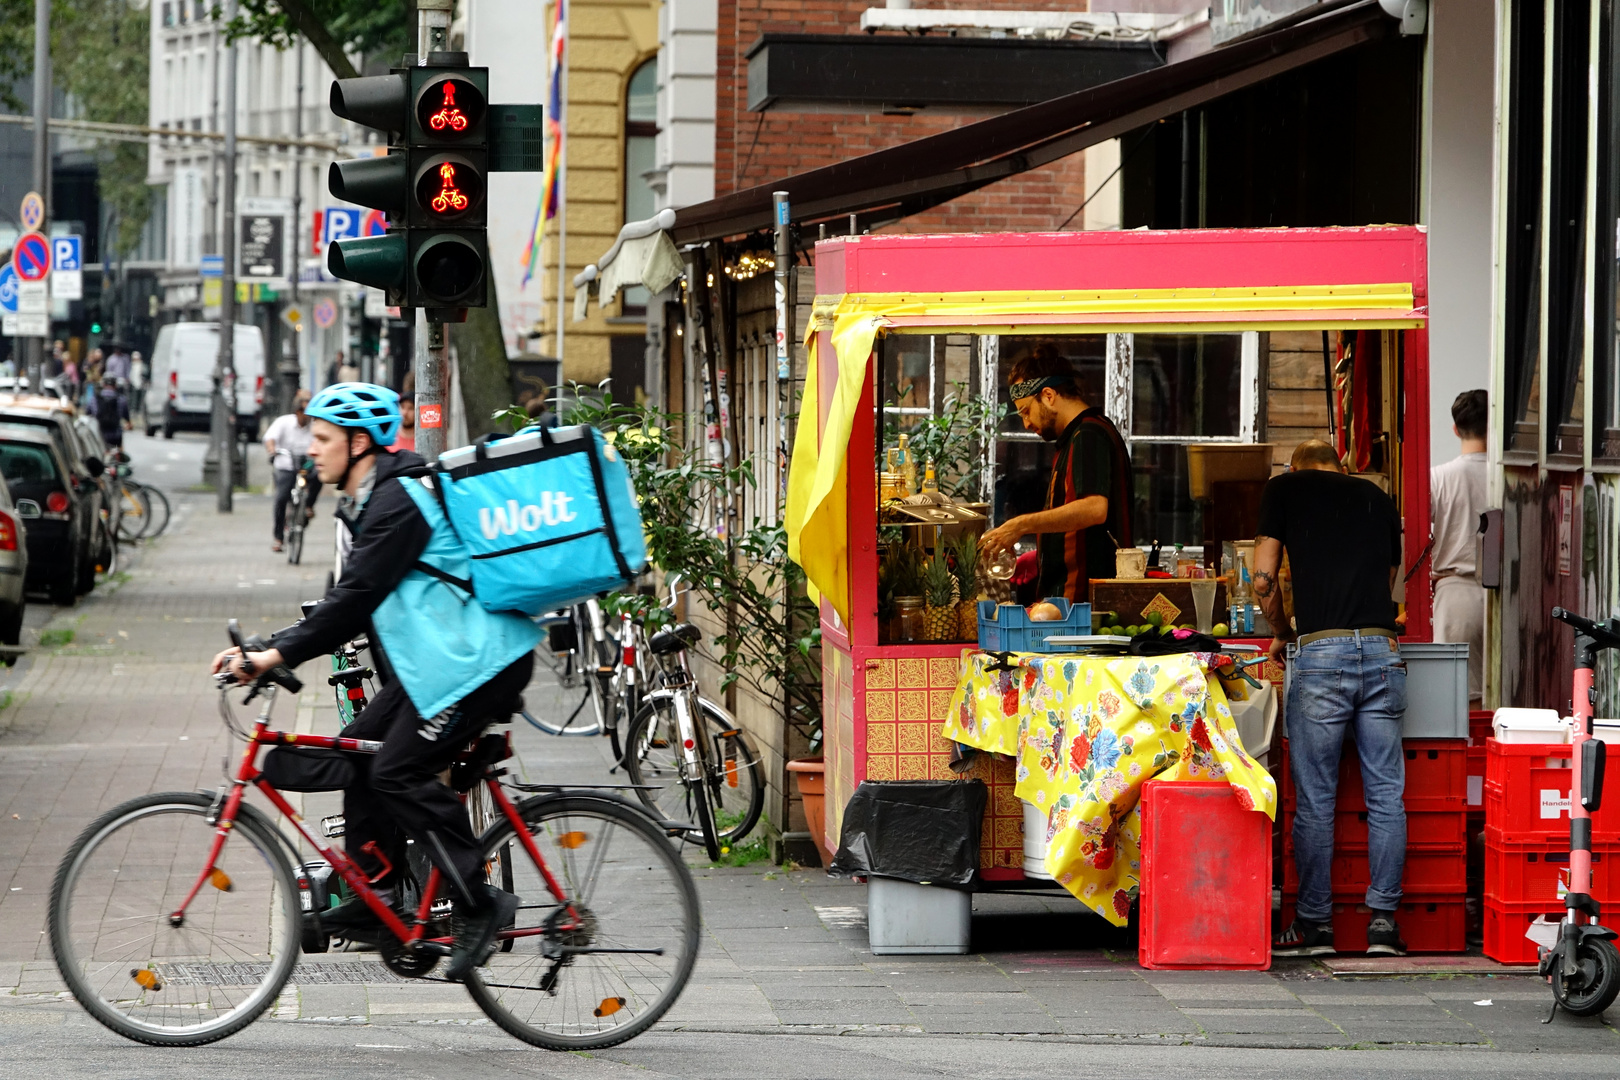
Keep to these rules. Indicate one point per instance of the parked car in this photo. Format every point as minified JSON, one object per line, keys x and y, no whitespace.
{"x":51,"y":529}
{"x":81,"y":485}
{"x":183,"y":363}
{"x":18,"y":384}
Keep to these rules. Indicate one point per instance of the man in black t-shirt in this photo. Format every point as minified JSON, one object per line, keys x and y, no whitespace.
{"x":1343,"y":539}
{"x":1088,"y":497}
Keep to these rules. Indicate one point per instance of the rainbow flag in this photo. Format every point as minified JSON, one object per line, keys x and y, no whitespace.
{"x":551,"y":179}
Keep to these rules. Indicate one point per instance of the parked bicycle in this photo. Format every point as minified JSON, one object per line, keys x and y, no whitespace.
{"x":176,"y":919}
{"x":687,"y":756}
{"x":135,"y":511}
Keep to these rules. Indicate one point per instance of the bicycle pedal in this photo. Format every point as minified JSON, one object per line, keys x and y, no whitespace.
{"x":333,"y":826}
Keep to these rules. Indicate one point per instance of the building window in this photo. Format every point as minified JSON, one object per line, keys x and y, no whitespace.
{"x":640,"y":137}
{"x":168,"y":13}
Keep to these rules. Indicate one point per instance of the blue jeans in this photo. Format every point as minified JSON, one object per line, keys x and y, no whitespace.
{"x":1347,"y":686}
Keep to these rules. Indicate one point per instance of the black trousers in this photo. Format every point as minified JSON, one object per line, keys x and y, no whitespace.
{"x":397,"y":792}
{"x":285,"y":480}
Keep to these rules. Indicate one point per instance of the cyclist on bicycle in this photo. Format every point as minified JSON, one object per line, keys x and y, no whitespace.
{"x":287,"y":443}
{"x":402,"y":584}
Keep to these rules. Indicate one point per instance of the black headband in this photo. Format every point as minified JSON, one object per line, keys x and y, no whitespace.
{"x":1030,"y":387}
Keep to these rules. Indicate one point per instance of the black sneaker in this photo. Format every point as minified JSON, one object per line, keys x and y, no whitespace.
{"x":474,"y":931}
{"x":1384,"y":937}
{"x":1304,"y":939}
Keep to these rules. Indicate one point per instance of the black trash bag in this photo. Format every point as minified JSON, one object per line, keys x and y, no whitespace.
{"x":926,"y":831}
{"x":303,"y":768}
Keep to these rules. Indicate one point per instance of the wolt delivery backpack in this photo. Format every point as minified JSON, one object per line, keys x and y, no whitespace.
{"x":548,"y":517}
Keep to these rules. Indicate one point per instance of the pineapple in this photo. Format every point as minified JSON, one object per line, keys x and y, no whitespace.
{"x":965,"y":555}
{"x":940,"y":593}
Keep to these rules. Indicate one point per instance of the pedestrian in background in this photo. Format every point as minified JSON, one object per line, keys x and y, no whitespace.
{"x":1457,"y":496}
{"x":1343,"y":539}
{"x":406,"y":437}
{"x":112,"y":412}
{"x":137,"y":384}
{"x":118,"y":364}
{"x":287,"y":443}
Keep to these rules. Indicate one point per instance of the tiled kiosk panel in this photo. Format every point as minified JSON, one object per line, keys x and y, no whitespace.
{"x":887,"y":705}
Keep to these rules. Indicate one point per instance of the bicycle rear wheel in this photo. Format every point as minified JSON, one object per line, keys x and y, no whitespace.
{"x":140,"y":975}
{"x":159,"y":504}
{"x":133,"y":511}
{"x":621,"y":946}
{"x":736,"y":781}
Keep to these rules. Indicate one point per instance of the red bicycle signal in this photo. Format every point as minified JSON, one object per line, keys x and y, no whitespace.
{"x":449,"y":107}
{"x":449,"y":187}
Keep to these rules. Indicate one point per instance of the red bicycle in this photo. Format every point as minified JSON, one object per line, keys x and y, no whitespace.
{"x":177,"y":918}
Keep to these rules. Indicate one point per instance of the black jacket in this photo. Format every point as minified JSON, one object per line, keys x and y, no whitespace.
{"x":389,"y":537}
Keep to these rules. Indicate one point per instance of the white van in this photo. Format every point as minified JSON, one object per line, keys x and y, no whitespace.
{"x":180,"y":395}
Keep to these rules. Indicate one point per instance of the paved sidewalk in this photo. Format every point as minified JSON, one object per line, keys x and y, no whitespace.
{"x":126,"y":708}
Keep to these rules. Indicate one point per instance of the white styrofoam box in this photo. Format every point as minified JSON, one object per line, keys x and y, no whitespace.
{"x":1035,"y":822}
{"x":1436,"y":689}
{"x":903,"y":917}
{"x":1607,"y":730}
{"x":1512,"y":725}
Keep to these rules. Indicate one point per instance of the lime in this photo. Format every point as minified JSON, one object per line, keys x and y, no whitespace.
{"x":1132,"y":631}
{"x":1221,"y":629}
{"x":1154,"y":618}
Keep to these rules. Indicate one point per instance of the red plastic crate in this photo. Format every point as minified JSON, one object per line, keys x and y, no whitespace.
{"x":1436,"y":776}
{"x":1505,"y":925}
{"x":1479,"y":726}
{"x":1529,"y":873}
{"x":1526,"y":793}
{"x":1440,"y":870}
{"x":1476,"y":777}
{"x":1424,"y":828}
{"x":1427,"y":923}
{"x":1206,"y":879}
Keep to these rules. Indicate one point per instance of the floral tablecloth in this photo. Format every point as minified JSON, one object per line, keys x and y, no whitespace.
{"x":1087,"y":731}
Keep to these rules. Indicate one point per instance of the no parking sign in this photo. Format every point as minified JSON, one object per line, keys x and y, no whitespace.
{"x":325,"y":312}
{"x":32,"y":257}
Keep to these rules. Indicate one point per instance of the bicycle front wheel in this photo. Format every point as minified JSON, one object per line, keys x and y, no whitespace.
{"x":122,"y":954}
{"x":159,"y":504}
{"x":735,"y":782}
{"x":602,"y":964}
{"x":133,"y":511}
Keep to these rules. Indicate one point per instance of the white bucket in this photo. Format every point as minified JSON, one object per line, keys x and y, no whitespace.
{"x":1512,"y":725}
{"x":1035,"y":842}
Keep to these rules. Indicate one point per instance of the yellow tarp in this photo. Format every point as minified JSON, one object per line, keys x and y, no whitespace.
{"x":1087,"y":732}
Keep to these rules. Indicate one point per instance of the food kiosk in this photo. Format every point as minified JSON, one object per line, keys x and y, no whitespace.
{"x":1262,"y":322}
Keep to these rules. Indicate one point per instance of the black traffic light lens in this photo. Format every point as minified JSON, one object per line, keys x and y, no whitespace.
{"x":449,"y":187}
{"x":449,"y":107}
{"x":448,"y":268}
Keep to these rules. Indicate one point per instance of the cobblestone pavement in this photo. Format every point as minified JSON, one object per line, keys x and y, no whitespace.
{"x":125,"y":708}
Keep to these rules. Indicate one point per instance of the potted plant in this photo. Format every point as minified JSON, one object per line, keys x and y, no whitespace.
{"x":810,"y":777}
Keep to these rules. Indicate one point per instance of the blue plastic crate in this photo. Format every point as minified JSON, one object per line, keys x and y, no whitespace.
{"x":1008,"y":628}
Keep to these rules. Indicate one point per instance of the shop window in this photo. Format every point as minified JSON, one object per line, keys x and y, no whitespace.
{"x":1606,"y":270}
{"x":640,"y":157}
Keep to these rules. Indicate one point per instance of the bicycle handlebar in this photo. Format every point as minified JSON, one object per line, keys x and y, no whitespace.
{"x":281,"y":675}
{"x":1606,"y":635}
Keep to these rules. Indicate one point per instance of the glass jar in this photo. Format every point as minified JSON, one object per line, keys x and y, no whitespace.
{"x":908,"y":618}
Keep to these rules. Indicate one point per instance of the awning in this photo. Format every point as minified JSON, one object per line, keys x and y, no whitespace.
{"x":903,"y":180}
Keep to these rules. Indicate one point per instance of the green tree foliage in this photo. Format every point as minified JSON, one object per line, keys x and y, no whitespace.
{"x":100,"y":57}
{"x":334,"y":27}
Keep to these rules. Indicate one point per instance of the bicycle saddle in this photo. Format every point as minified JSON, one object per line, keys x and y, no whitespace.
{"x":673,"y":639}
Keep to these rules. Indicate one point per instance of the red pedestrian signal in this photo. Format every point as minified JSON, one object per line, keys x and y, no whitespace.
{"x":449,"y":187}
{"x":450,"y":107}
{"x":448,"y":117}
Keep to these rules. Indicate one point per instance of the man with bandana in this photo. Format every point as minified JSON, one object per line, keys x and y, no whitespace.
{"x":1088,"y":499}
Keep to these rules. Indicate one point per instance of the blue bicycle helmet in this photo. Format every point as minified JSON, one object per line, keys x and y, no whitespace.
{"x":372,"y":408}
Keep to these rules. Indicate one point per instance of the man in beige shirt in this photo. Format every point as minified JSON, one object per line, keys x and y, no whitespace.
{"x":1457,"y":494}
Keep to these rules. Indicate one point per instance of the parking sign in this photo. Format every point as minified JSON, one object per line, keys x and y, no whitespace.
{"x":67,"y":267}
{"x":340,"y":223}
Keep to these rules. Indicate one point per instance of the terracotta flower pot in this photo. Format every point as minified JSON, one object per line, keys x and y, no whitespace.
{"x":810,"y":777}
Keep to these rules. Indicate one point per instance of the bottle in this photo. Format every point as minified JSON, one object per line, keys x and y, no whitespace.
{"x":1153,"y":556}
{"x":907,"y":465}
{"x":1176,"y":564}
{"x":930,"y":484}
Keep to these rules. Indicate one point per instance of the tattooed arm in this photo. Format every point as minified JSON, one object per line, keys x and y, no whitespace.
{"x":1268,"y":553}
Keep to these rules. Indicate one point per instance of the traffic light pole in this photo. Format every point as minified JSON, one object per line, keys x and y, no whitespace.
{"x":432,"y":355}
{"x":224,"y":421}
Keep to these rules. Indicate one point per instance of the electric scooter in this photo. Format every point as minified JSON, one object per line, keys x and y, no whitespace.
{"x":1584,"y":966}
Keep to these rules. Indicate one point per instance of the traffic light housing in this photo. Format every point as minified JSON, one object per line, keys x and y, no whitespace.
{"x":431,"y":184}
